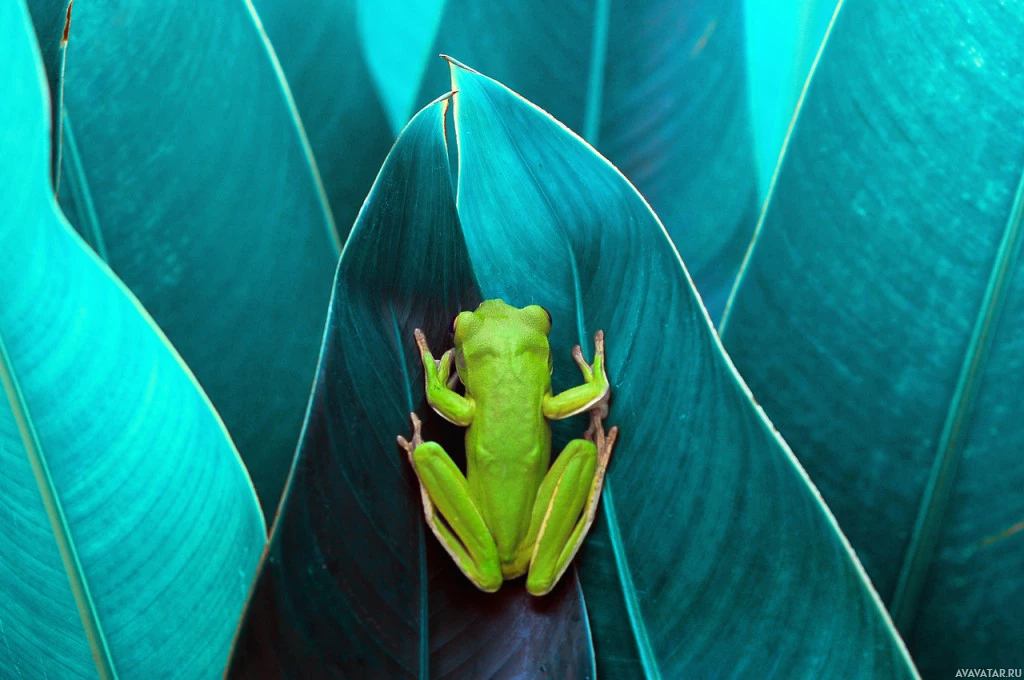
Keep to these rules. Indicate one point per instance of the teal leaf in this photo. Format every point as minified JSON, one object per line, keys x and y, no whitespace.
{"x":713,"y":554}
{"x":209,"y":209}
{"x":52,"y":19}
{"x":354,"y":584}
{"x":131,"y":529}
{"x":659,"y":87}
{"x":879,"y":318}
{"x":783,"y":39}
{"x":409,"y":29}
{"x":348,"y":126}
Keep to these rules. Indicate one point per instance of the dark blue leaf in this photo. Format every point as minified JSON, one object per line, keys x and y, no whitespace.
{"x":353,"y":584}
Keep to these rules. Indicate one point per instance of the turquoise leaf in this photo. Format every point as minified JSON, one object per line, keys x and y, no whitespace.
{"x":409,"y":28}
{"x":879,"y":318}
{"x":132,"y":531}
{"x":354,"y":584}
{"x":186,"y":169}
{"x":783,"y":39}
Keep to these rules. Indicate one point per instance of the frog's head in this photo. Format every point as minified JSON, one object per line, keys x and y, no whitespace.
{"x":496,"y":334}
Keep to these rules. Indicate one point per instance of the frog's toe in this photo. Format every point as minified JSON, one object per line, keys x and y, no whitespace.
{"x":537,"y":585}
{"x":490,"y":579}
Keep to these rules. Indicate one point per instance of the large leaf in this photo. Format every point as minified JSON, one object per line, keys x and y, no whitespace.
{"x":713,"y":555}
{"x":131,"y":530}
{"x":354,"y":585}
{"x":186,"y":169}
{"x":879,"y":319}
{"x":659,"y":87}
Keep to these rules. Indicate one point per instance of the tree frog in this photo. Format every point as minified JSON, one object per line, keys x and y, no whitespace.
{"x":510,"y":514}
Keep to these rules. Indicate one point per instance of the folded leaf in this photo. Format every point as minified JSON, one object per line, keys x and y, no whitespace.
{"x":186,"y":169}
{"x":879,"y":319}
{"x":713,"y":555}
{"x":659,"y":87}
{"x":131,"y":531}
{"x":354,"y":584}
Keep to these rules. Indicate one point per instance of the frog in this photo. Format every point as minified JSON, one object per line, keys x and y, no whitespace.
{"x":513,"y":512}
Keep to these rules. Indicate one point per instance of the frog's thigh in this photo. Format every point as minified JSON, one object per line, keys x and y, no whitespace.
{"x":556,"y":515}
{"x":471,"y":545}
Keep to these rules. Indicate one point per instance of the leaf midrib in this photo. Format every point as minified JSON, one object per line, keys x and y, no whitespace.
{"x":58,"y":520}
{"x":645,"y":650}
{"x":938,"y":492}
{"x":591,"y":133}
{"x":422,"y":544}
{"x":595,"y":81}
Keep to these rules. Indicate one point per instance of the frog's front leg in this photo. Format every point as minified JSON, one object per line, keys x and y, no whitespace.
{"x":451,"y":405}
{"x":567,"y":504}
{"x":443,"y":487}
{"x":593,"y":393}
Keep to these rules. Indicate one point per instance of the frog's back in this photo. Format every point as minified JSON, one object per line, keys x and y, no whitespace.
{"x":503,"y":358}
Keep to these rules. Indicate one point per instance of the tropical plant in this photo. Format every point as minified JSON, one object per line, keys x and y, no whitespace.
{"x":183,"y":165}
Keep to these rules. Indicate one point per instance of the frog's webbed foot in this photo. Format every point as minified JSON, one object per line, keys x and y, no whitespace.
{"x":595,"y":372}
{"x":444,"y":368}
{"x":417,"y":436}
{"x":421,"y":341}
{"x":604,"y":441}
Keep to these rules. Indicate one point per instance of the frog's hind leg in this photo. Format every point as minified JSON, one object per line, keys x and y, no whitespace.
{"x":567,"y":504}
{"x":462,"y":532}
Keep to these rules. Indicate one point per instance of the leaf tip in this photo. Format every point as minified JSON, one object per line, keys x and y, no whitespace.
{"x":457,"y":65}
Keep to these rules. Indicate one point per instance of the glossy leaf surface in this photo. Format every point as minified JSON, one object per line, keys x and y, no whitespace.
{"x":185,"y":169}
{"x":659,"y":87}
{"x":354,"y":584}
{"x":879,"y":319}
{"x":131,"y":531}
{"x":713,"y":555}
